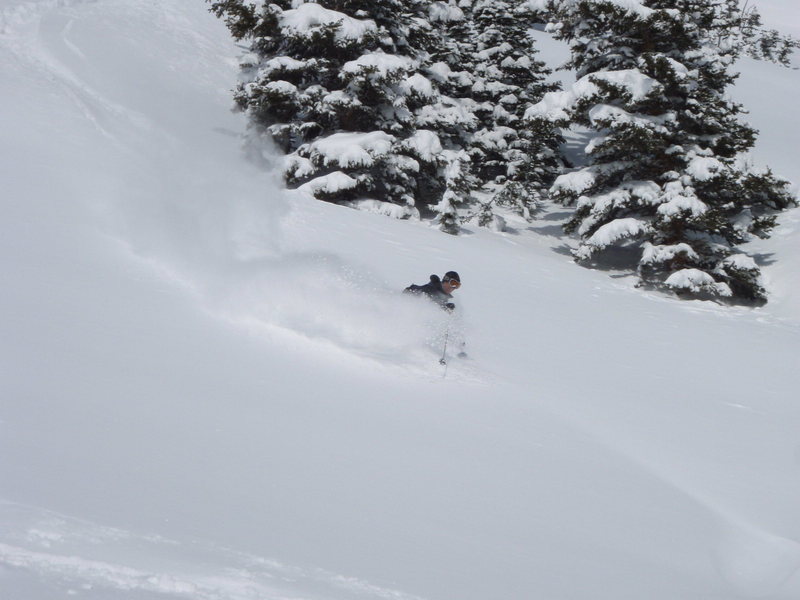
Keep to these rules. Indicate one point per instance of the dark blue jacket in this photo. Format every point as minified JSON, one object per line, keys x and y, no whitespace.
{"x":433,"y":290}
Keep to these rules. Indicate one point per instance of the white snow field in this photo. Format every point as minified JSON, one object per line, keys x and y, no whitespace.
{"x":211,"y":389}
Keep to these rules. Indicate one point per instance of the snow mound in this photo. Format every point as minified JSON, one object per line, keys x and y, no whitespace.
{"x":310,"y":15}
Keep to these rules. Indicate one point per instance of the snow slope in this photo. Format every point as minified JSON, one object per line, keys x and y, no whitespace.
{"x":211,"y":389}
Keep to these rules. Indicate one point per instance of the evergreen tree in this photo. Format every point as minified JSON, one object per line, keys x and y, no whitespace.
{"x":372,"y":100}
{"x":487,"y":58}
{"x":519,"y":154}
{"x":446,"y":119}
{"x":664,"y":173}
{"x":336,"y":85}
{"x":459,"y":185}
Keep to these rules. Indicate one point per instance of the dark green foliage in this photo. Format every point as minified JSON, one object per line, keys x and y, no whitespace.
{"x":240,"y":17}
{"x":438,"y":78}
{"x":459,"y":185}
{"x":331,"y":67}
{"x":664,"y":171}
{"x":519,"y":154}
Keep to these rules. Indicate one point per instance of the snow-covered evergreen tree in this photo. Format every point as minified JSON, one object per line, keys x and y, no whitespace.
{"x":443,"y":116}
{"x":457,"y":196}
{"x":336,"y":84}
{"x":371,"y":100}
{"x":521,"y":155}
{"x":664,"y":171}
{"x":489,"y":76}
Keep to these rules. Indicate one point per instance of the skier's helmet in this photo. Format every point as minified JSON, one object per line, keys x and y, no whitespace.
{"x":452,"y":278}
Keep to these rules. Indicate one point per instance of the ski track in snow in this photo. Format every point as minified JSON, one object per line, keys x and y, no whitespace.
{"x":382,"y":331}
{"x":84,"y":563}
{"x":249,"y":582}
{"x":50,"y":545}
{"x":254,"y":286}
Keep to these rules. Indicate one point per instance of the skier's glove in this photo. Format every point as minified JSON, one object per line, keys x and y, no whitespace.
{"x":450,"y":306}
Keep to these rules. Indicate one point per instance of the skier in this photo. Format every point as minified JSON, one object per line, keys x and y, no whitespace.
{"x":439,"y":290}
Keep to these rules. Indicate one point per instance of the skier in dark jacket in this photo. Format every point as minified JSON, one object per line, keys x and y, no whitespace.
{"x":439,"y":290}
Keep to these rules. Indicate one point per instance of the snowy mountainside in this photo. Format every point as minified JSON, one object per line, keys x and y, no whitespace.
{"x":211,"y":388}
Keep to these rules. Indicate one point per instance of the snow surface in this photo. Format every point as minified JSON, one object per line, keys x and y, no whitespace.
{"x":330,"y":183}
{"x":444,"y":13}
{"x":630,"y":6}
{"x":308,"y":16}
{"x":425,"y":144}
{"x":381,"y":63}
{"x":418,"y":84}
{"x":555,"y":105}
{"x":697,"y":281}
{"x":351,"y":149}
{"x":212,"y":389}
{"x":616,"y":230}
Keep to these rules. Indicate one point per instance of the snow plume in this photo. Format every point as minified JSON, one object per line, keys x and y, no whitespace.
{"x":271,"y":277}
{"x":174,"y":195}
{"x":248,"y":252}
{"x":331,"y":302}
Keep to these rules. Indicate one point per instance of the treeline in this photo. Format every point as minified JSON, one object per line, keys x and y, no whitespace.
{"x":441,"y":110}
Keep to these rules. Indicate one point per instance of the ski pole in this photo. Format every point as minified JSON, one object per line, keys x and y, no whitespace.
{"x":443,"y":361}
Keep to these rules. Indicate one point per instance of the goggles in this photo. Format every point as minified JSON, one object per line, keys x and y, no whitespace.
{"x":454,"y":283}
